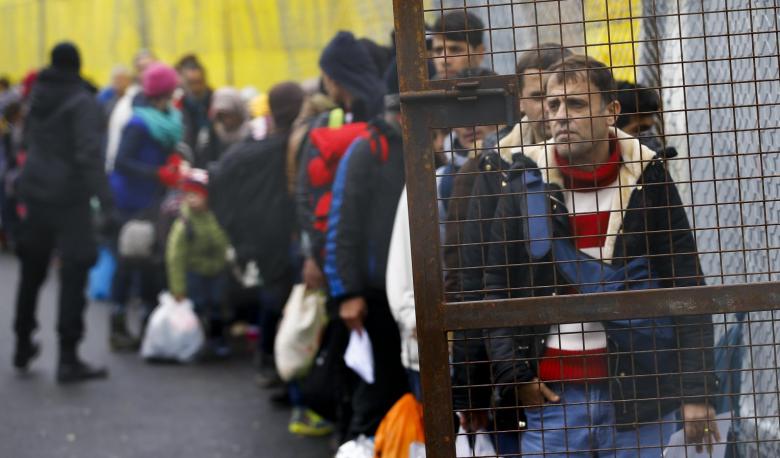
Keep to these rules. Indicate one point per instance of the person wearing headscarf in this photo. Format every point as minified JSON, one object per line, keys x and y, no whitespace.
{"x":229,"y":114}
{"x":249,"y":197}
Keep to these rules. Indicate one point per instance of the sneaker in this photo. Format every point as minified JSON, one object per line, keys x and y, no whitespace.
{"x":306,"y":422}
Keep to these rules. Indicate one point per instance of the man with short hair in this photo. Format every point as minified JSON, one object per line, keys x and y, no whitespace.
{"x":639,"y":114}
{"x":121,"y":79}
{"x":475,"y":196}
{"x":612,"y":201}
{"x":457,"y":43}
{"x":195,"y":103}
{"x":123,"y":108}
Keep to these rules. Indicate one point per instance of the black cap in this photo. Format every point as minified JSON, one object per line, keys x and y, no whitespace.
{"x":65,"y":56}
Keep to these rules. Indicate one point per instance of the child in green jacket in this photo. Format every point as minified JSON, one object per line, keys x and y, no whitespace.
{"x":195,"y":257}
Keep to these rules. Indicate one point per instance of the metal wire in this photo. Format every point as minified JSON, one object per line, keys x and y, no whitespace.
{"x":491,"y":317}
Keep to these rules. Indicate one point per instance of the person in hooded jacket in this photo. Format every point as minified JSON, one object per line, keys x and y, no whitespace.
{"x":145,"y":167}
{"x":250,"y":200}
{"x":366,"y":190}
{"x":63,"y":172}
{"x":351,"y":80}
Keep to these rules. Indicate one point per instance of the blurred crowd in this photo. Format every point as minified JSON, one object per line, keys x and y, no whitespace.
{"x":244,"y":202}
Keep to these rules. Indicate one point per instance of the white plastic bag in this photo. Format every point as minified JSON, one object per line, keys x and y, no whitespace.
{"x":362,"y":447}
{"x":300,"y":332}
{"x":483,"y":445}
{"x":173,"y":333}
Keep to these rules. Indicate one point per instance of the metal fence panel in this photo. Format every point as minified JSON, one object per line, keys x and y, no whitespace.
{"x":714,"y":67}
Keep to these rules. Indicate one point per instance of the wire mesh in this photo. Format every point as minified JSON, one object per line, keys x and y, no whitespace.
{"x":623,"y":254}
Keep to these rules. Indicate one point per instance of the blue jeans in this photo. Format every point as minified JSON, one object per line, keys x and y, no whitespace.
{"x":581,"y":425}
{"x":206,"y":294}
{"x":647,"y":441}
{"x":415,"y":384}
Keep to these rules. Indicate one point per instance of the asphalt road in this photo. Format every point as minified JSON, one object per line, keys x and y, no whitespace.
{"x":203,"y":410}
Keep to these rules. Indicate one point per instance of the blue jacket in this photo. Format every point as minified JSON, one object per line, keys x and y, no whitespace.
{"x":366,"y":190}
{"x":134,"y":181}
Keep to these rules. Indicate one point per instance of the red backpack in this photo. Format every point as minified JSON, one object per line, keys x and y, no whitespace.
{"x":332,"y":143}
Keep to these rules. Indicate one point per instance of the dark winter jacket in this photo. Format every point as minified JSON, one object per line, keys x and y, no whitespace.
{"x":195,"y":116}
{"x":248,"y":194}
{"x":64,"y":133}
{"x":327,"y":143}
{"x":365,"y":197}
{"x":470,"y":218}
{"x":135,"y":181}
{"x":647,"y":220}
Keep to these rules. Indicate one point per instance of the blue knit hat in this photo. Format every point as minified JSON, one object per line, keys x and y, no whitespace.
{"x":348,"y":63}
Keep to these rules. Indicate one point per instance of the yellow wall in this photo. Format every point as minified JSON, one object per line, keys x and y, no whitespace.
{"x":241,"y":42}
{"x":609,"y":32}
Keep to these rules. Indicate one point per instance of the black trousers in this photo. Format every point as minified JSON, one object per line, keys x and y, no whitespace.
{"x":69,"y":232}
{"x":371,"y":402}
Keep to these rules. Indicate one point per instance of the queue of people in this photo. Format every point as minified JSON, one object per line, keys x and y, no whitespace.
{"x":190,"y":196}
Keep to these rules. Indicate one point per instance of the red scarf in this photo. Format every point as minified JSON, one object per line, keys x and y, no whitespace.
{"x":575,"y":178}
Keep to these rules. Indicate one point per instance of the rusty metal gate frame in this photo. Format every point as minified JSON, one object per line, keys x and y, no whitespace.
{"x":430,"y":104}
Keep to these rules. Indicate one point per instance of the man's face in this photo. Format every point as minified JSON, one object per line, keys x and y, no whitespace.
{"x":332,"y":89}
{"x":578,"y":120}
{"x":639,"y":125}
{"x":468,"y":137}
{"x":230,"y":121}
{"x":532,"y":101}
{"x":142,"y":63}
{"x":120,"y":82}
{"x":194,"y":82}
{"x":451,"y":57}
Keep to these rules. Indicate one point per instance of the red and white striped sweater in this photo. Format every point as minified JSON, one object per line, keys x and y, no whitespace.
{"x":578,"y":351}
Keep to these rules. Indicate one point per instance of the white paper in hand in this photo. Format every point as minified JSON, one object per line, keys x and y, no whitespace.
{"x":360,"y":356}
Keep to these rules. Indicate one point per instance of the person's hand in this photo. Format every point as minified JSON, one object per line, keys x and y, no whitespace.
{"x":170,"y":174}
{"x":353,"y":312}
{"x":535,"y":393}
{"x":472,"y":422}
{"x":700,"y":426}
{"x":312,"y":274}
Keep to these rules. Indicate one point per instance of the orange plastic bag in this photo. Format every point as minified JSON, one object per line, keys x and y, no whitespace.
{"x":402,"y":425}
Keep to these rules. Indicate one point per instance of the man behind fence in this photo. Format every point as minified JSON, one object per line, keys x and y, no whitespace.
{"x":611,"y":388}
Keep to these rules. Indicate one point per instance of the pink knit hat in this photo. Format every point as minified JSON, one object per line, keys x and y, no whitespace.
{"x":159,"y":79}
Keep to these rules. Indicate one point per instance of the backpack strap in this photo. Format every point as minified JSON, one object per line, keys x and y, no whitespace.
{"x":587,"y":274}
{"x":378,"y":143}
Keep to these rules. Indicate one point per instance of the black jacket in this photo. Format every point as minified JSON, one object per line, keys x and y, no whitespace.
{"x":655,"y":226}
{"x":248,"y":194}
{"x":64,"y":133}
{"x":470,"y":379}
{"x":365,"y":198}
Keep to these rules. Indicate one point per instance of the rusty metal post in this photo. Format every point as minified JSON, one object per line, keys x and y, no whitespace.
{"x":413,"y":76}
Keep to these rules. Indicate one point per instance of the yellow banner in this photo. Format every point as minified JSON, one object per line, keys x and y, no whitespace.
{"x":241,"y":42}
